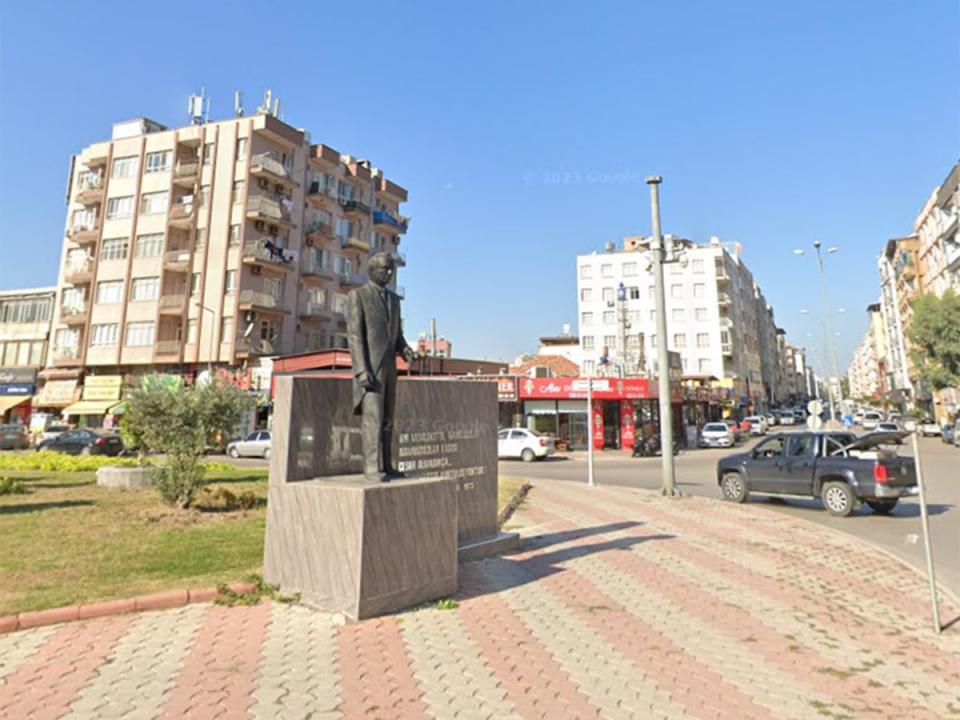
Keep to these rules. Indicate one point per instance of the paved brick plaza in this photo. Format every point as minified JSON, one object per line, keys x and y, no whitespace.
{"x":622,"y":604}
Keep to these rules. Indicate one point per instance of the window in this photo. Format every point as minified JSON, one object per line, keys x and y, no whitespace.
{"x":191,"y":332}
{"x":103,"y":335}
{"x":608,"y":317}
{"x":586,"y":295}
{"x":588,"y":342}
{"x":633,"y":292}
{"x":606,"y":270}
{"x":114,"y":249}
{"x":140,"y":334}
{"x":200,"y":238}
{"x":697,"y":265}
{"x":226,"y":330}
{"x":609,"y":341}
{"x":273,"y":287}
{"x":204,"y":198}
{"x":124,"y":167}
{"x":802,"y":446}
{"x":208,"y":153}
{"x":629,"y":269}
{"x":677,"y":314}
{"x":237,"y":191}
{"x":650,"y":291}
{"x":120,"y":207}
{"x":195,"y":284}
{"x":241,"y":148}
{"x":653,"y":340}
{"x":703,"y":340}
{"x":589,"y":367}
{"x":653,"y":316}
{"x":608,"y":294}
{"x":585,"y":273}
{"x":72,"y":298}
{"x":153,"y":203}
{"x":679,"y":341}
{"x":676,"y":291}
{"x":586,"y":318}
{"x":158,"y":162}
{"x":703,"y":365}
{"x":230,"y":282}
{"x":701,"y":313}
{"x":344,"y":228}
{"x":67,"y":338}
{"x":234,"y":235}
{"x":145,"y":288}
{"x":109,"y":292}
{"x":699,"y":290}
{"x":148,"y":245}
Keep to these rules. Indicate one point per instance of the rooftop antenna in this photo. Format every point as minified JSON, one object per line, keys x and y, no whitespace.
{"x":276,"y":107}
{"x":198,"y":106}
{"x":238,"y":103}
{"x":267,"y":105}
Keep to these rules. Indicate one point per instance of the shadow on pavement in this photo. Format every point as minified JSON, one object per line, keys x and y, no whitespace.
{"x":37,"y":507}
{"x":902,"y":511}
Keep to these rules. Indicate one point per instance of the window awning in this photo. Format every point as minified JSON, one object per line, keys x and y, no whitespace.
{"x":90,"y":407}
{"x":11,"y":401}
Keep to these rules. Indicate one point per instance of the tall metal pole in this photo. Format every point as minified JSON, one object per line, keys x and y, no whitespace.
{"x":668,"y":486}
{"x":590,"y":481}
{"x":831,"y":346}
{"x":925,"y":524}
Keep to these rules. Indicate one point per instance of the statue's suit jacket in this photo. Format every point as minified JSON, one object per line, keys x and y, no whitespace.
{"x":375,"y":337}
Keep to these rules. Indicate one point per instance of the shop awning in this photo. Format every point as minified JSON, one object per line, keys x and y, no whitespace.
{"x":90,"y":407}
{"x":11,"y":401}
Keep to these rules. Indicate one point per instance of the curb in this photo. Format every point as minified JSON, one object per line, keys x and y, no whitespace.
{"x":518,"y":497}
{"x":155,"y":601}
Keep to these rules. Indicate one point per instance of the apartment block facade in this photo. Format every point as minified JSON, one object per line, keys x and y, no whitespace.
{"x":25,"y":321}
{"x":214,"y":244}
{"x":717,"y":318}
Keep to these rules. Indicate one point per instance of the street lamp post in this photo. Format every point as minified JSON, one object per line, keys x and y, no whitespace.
{"x":668,"y":486}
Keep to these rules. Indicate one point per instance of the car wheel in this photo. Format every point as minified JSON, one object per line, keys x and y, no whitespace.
{"x":883,"y":507}
{"x":233,"y":452}
{"x":838,"y":499}
{"x":734,"y":488}
{"x":528,"y":455}
{"x":266,"y":454}
{"x":85,"y":450}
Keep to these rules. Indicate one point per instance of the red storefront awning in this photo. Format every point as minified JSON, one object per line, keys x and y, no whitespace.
{"x":576,"y":388}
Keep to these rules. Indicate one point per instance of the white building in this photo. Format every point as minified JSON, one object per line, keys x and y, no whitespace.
{"x":712,"y":314}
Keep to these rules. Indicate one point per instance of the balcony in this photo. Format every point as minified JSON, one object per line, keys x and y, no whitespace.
{"x":723,"y":299}
{"x":74,"y":314}
{"x":168,"y":348}
{"x":254,"y":300}
{"x":84,"y":232}
{"x":172,"y":304}
{"x":266,"y":251}
{"x":351,"y":279}
{"x":266,"y":166}
{"x":177,"y":260}
{"x":247,"y":346}
{"x":723,"y":277}
{"x":399,"y":259}
{"x":66,"y":357}
{"x":382,"y":220}
{"x":78,"y":273}
{"x":312,"y":267}
{"x":89,"y":189}
{"x":354,"y":207}
{"x":354,"y":243}
{"x":186,"y":173}
{"x":726,"y":349}
{"x":318,"y":232}
{"x":320,"y":193}
{"x":268,"y":210}
{"x":314,"y":311}
{"x":182,"y":214}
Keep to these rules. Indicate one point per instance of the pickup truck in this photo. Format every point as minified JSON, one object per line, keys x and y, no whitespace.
{"x":843,"y":470}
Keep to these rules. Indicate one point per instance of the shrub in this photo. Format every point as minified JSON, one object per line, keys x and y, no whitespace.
{"x":220,"y":499}
{"x":58,"y":462}
{"x":11,"y":486}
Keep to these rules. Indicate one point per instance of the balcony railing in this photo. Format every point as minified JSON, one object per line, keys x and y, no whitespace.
{"x":261,"y":207}
{"x":354,"y":206}
{"x":726,"y":348}
{"x":168,"y":347}
{"x":89,"y":187}
{"x":177,"y":258}
{"x":256,"y":346}
{"x":74,"y":314}
{"x":723,"y":299}
{"x":265,"y":164}
{"x":78,"y":271}
{"x":253,"y":298}
{"x":186,"y":172}
{"x":66,"y":356}
{"x":173,"y":303}
{"x":319,"y":231}
{"x":84,"y":230}
{"x":320,"y":191}
{"x":351,"y":278}
{"x":384,"y":219}
{"x":182,"y":213}
{"x":312,"y":266}
{"x":354,"y":243}
{"x":266,"y":250}
{"x":313,"y":309}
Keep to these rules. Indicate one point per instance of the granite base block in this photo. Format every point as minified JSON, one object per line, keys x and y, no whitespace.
{"x":360,"y":548}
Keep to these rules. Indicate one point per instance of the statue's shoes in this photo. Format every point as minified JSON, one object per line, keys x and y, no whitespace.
{"x":396,"y":474}
{"x":377,"y":477}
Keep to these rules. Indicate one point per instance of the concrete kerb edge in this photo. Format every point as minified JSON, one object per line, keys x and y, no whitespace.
{"x":518,"y":497}
{"x":847,"y":537}
{"x":104,"y":608}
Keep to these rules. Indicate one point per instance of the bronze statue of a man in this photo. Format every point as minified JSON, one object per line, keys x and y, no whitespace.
{"x":375,"y":338}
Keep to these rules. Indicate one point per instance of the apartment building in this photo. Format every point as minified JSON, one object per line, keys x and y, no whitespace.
{"x":897,"y":272}
{"x":25,"y":322}
{"x":215,"y":244}
{"x":712,"y":319}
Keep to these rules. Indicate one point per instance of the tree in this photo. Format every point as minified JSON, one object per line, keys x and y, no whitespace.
{"x":934,"y":336}
{"x":181,"y":422}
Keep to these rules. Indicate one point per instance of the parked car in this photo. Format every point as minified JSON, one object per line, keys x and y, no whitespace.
{"x":870,"y":420}
{"x":256,"y":444}
{"x":785,"y":417}
{"x":758,"y":424}
{"x":858,"y":417}
{"x":83,"y":441}
{"x":13,"y":437}
{"x":716,"y":434}
{"x":771,"y":418}
{"x":949,"y":434}
{"x":930,"y":427}
{"x":839,"y":468}
{"x":52,"y":431}
{"x":528,"y":445}
{"x":888,"y":427}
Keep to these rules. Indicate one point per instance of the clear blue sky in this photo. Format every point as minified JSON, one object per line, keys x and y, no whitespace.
{"x":772,"y":123}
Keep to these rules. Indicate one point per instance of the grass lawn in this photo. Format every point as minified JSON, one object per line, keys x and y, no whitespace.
{"x":68,"y":541}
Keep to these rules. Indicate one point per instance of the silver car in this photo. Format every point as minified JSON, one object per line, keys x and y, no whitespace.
{"x":716,"y":435}
{"x":256,"y":444}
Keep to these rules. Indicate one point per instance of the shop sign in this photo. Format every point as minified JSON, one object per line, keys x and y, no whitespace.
{"x":18,"y":389}
{"x":576,"y":388}
{"x":102,"y":387}
{"x":18,"y":376}
{"x":507,"y":389}
{"x":58,"y":393}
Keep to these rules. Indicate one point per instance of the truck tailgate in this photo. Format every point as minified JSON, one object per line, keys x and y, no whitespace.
{"x":901,"y":471}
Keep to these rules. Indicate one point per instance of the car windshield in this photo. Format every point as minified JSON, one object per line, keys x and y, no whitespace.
{"x":58,"y":428}
{"x":715,"y":427}
{"x":10,"y":428}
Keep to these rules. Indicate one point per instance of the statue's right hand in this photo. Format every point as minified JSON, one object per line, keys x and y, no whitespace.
{"x":366,"y":382}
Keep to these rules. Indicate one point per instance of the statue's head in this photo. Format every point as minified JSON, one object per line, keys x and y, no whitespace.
{"x":381,"y":269}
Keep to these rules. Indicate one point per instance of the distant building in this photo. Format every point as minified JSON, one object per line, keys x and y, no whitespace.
{"x":442,"y":348}
{"x":25,"y":322}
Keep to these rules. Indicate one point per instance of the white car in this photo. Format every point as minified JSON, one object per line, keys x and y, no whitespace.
{"x":716,"y":435}
{"x":53,"y":431}
{"x":930,"y":427}
{"x":758,"y":424}
{"x":785,"y":417}
{"x":888,"y":427}
{"x":870,"y":420}
{"x":528,"y":445}
{"x":256,"y":444}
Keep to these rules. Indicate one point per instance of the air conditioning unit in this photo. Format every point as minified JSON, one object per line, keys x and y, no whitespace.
{"x":263,"y":183}
{"x":259,"y":225}
{"x":256,"y":270}
{"x":308,"y":241}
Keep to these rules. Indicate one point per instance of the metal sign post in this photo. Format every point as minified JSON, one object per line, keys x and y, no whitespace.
{"x":925,"y":523}
{"x":590,"y":431}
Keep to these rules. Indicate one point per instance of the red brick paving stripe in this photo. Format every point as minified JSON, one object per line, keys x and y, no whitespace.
{"x":779,"y":651}
{"x":218,"y":676}
{"x":933,"y":659}
{"x":44,"y":685}
{"x":375,"y":670}
{"x":533,"y":681}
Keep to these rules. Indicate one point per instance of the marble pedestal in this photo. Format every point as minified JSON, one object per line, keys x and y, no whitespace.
{"x":348,"y":545}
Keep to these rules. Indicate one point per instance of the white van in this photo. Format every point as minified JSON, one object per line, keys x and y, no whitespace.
{"x":870,"y":420}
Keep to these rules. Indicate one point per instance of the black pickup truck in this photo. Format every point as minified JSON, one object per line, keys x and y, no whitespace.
{"x":840,"y":468}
